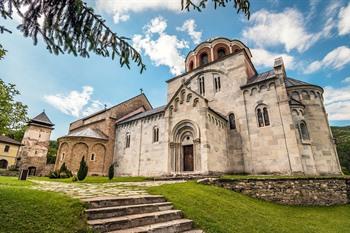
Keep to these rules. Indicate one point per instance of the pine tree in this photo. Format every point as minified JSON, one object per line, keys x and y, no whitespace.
{"x":111,"y":172}
{"x":83,"y":169}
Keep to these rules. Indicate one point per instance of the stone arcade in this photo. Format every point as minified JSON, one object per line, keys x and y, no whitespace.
{"x":221,"y":116}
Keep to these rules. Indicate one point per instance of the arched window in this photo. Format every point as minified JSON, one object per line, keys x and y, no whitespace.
{"x":155,"y":134}
{"x":62,"y":157}
{"x":217,"y":83}
{"x":127,"y":140}
{"x":201,"y":85}
{"x":190,"y":67}
{"x":232,"y":121}
{"x":93,"y":157}
{"x":304,"y":132}
{"x":204,"y":59}
{"x":260,"y":118}
{"x":266,"y":117}
{"x":221,"y":52}
{"x":262,"y":115}
{"x":7,"y":148}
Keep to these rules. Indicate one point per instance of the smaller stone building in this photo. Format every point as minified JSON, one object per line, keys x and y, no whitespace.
{"x":8,"y":151}
{"x":36,"y":142}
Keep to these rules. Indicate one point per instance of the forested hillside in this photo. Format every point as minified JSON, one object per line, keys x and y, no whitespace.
{"x":342,"y":135}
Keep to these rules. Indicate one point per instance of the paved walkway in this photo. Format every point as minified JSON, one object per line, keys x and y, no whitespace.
{"x":89,"y":190}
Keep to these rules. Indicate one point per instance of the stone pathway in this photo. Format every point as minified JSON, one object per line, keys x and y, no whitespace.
{"x":90,"y":190}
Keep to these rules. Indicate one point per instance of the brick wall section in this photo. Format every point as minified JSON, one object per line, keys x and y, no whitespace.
{"x":294,"y":191}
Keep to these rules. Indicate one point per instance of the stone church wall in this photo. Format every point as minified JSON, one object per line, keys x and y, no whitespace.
{"x":144,"y":157}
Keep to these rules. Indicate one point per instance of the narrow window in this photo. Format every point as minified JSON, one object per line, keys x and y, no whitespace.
{"x":127,"y":140}
{"x":221,"y":52}
{"x":260,"y":118}
{"x":62,"y":157}
{"x":155,"y":134}
{"x":217,"y":83}
{"x":7,"y":148}
{"x":201,"y":85}
{"x":204,"y":59}
{"x":93,"y":157}
{"x":266,"y":117}
{"x":304,"y":133}
{"x":232,"y":121}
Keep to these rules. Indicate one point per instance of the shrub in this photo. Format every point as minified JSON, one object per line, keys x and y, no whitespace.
{"x":111,"y":172}
{"x":64,"y":172}
{"x":83,"y":169}
{"x":74,"y":179}
{"x":54,"y":175}
{"x":12,"y":168}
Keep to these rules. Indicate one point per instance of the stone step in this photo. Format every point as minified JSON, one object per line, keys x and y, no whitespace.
{"x":100,"y":202}
{"x":136,"y":220}
{"x":178,"y":225}
{"x":117,"y":211}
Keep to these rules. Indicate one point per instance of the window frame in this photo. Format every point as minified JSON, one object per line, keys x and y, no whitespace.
{"x":304,"y":140}
{"x":262,"y":116}
{"x":232,"y":126}
{"x":127,"y":140}
{"x":155,"y":134}
{"x":7,"y":149}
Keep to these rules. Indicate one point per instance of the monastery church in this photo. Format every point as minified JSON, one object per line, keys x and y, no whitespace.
{"x":221,"y":117}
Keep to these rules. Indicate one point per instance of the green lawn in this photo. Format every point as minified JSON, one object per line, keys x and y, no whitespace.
{"x":240,"y":177}
{"x":96,"y":179}
{"x":215,"y":209}
{"x":25,"y":210}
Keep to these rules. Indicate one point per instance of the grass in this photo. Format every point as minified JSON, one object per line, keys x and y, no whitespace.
{"x":218,"y":210}
{"x":96,"y":179}
{"x":240,"y":177}
{"x":27,"y":210}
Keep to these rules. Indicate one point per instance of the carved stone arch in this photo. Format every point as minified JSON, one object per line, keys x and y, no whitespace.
{"x":272,"y":85}
{"x":171,"y":109}
{"x":261,"y":87}
{"x":195,"y":102}
{"x":185,"y":147}
{"x":253,"y":91}
{"x":301,"y":112}
{"x":189,"y":97}
{"x":305,"y":95}
{"x":218,"y":48}
{"x":79,"y":150}
{"x":182,"y":96}
{"x":246,"y":92}
{"x":296,"y":112}
{"x":99,"y":150}
{"x":313,"y":94}
{"x":295,"y":95}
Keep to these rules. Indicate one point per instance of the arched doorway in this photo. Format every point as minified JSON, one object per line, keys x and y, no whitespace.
{"x":3,"y":164}
{"x":31,"y":171}
{"x":185,"y":147}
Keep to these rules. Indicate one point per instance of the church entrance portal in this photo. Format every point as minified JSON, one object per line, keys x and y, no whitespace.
{"x":188,"y":157}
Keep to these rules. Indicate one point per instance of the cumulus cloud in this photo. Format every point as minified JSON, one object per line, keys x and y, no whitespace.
{"x":160,"y":47}
{"x":75,"y":103}
{"x":121,"y":9}
{"x":189,"y":26}
{"x":286,"y":28}
{"x":344,"y":20}
{"x":337,"y":102}
{"x":264,"y":58}
{"x":346,"y":80}
{"x":336,"y":59}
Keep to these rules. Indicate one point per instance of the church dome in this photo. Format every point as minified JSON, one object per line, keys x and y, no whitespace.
{"x":212,"y":50}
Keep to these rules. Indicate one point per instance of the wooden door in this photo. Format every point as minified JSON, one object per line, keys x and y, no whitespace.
{"x":188,"y":158}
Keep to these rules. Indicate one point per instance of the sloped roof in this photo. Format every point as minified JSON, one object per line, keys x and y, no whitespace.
{"x":260,"y":77}
{"x":144,"y":114}
{"x":88,"y":133}
{"x":291,"y":82}
{"x":42,"y":118}
{"x":9,"y":140}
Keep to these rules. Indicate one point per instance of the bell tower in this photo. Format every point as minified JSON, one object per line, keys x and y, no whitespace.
{"x":36,"y":141}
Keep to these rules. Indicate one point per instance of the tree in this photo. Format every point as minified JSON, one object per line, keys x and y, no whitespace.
{"x":73,"y":27}
{"x":13,"y":113}
{"x":83,"y":169}
{"x":51,"y":154}
{"x":111,"y":172}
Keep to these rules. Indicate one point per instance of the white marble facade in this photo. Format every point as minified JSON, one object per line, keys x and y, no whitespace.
{"x":223,"y":117}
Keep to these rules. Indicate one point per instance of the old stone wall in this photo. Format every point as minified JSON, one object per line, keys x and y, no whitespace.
{"x":293,"y":191}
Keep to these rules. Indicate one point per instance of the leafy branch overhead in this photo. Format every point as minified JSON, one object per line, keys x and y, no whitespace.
{"x":240,"y":5}
{"x":69,"y":26}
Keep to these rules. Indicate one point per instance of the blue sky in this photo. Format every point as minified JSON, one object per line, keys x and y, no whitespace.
{"x":312,"y":36}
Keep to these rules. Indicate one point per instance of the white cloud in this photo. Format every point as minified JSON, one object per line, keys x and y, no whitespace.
{"x":285,"y":28}
{"x":162,"y":48}
{"x":344,"y":20}
{"x":75,"y":103}
{"x":189,"y":26}
{"x":336,"y":59}
{"x":264,"y":58}
{"x":337,"y":102}
{"x":346,"y":80}
{"x":121,"y":9}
